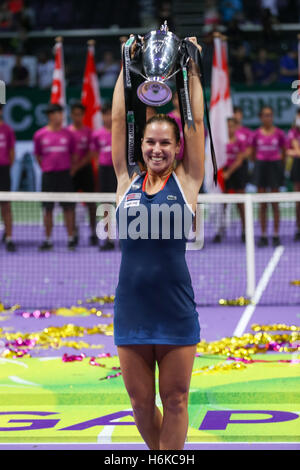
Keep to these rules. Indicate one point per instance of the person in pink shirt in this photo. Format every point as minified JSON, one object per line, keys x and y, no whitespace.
{"x":7,"y":154}
{"x":268,"y":144}
{"x":235,"y":170}
{"x":82,"y":173}
{"x":55,"y":147}
{"x":294,"y":151}
{"x":244,"y":134}
{"x":101,"y":145}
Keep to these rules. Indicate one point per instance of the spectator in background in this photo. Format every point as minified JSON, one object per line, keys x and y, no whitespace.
{"x":107,"y":177}
{"x":28,"y":14}
{"x":294,"y":152}
{"x":108,"y":70}
{"x":6,"y":17}
{"x":54,"y":147}
{"x":211,"y":13}
{"x":230,"y":9}
{"x":164,"y":13}
{"x":267,"y":19}
{"x":235,"y":34}
{"x":268,"y":144}
{"x":16,"y":8}
{"x":235,"y":170}
{"x":82,"y":173}
{"x":20,"y":74}
{"x":45,"y":67}
{"x":244,"y":134}
{"x":271,"y":5}
{"x":7,"y":155}
{"x":289,"y":66}
{"x":264,"y":70}
{"x":240,"y":67}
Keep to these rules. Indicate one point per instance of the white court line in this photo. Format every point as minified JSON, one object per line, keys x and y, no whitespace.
{"x":18,"y":380}
{"x":263,"y":282}
{"x":105,"y":436}
{"x":4,"y":360}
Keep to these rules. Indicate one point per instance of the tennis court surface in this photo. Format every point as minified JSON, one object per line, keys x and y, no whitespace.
{"x":60,"y":382}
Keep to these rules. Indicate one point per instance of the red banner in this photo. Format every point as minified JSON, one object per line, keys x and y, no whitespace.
{"x":90,"y":96}
{"x":58,"y":89}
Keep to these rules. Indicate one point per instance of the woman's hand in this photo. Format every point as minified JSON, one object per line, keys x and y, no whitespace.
{"x":193,"y":39}
{"x":124,"y":39}
{"x":193,"y":68}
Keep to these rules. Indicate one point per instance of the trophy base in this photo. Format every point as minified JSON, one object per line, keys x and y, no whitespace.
{"x":154,"y":92}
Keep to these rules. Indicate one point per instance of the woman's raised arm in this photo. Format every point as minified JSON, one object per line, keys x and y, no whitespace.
{"x":193,"y":159}
{"x":119,"y":131}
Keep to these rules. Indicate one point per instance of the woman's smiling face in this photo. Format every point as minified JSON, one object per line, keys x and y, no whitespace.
{"x":159,"y":146}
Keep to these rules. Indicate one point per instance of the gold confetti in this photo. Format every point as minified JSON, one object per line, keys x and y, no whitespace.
{"x":240,"y":301}
{"x":53,"y":336}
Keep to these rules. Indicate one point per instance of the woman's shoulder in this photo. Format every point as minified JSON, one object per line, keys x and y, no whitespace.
{"x":126,"y":181}
{"x":188,"y":184}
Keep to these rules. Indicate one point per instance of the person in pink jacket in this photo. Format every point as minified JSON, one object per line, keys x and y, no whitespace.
{"x":7,"y":154}
{"x":269,"y":145}
{"x":294,"y":151}
{"x":54,"y":147}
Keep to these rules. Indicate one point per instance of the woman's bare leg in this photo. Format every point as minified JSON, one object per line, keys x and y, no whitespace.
{"x":138,"y":370}
{"x":175,"y":370}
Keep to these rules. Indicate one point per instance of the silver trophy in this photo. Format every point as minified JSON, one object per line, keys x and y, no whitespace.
{"x":159,"y":54}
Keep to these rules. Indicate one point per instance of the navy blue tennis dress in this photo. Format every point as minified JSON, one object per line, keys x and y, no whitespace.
{"x":154,"y":301}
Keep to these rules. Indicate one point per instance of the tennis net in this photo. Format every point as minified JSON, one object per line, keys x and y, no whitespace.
{"x":225,"y":268}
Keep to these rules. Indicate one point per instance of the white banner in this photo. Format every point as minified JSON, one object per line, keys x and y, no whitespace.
{"x":252,"y":101}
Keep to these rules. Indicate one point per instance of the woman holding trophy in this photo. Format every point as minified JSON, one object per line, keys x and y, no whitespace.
{"x":155,"y":317}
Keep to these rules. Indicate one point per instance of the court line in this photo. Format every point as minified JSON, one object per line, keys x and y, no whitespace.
{"x":261,"y":286}
{"x":21,"y":381}
{"x":105,"y":436}
{"x":3,"y":360}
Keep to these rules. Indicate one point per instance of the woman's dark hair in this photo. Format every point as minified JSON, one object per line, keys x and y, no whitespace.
{"x":232,"y":119}
{"x":237,"y":109}
{"x":77,"y":105}
{"x":265,"y":107}
{"x":164,"y":118}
